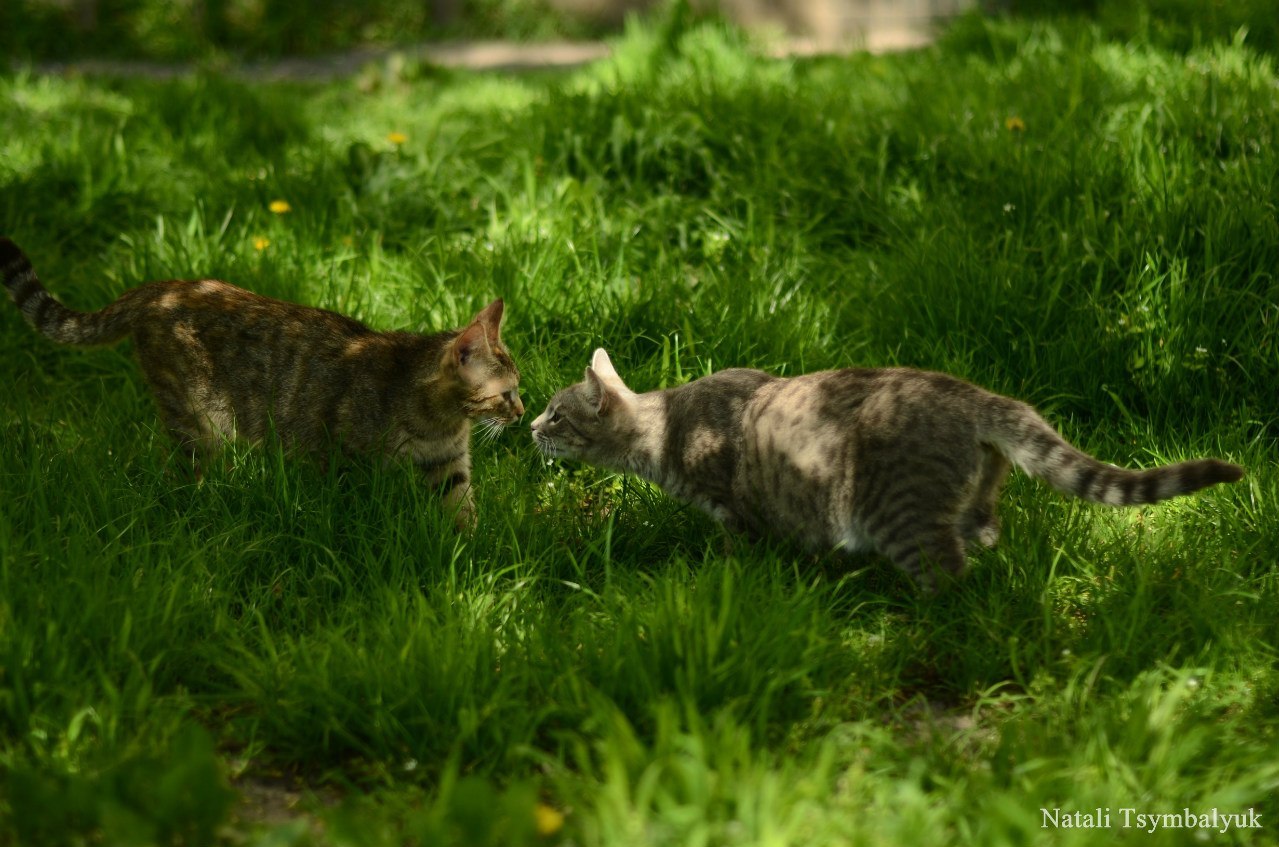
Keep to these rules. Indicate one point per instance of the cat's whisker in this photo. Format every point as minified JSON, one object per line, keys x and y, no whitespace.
{"x":490,"y":429}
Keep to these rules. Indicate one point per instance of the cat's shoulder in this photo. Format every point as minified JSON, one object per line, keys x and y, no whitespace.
{"x":740,"y":377}
{"x":730,"y":381}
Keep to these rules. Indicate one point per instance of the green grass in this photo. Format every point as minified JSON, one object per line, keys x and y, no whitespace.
{"x":596,"y":649}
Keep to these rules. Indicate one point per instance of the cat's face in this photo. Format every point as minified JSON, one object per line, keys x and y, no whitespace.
{"x":486,"y":371}
{"x":595,"y":420}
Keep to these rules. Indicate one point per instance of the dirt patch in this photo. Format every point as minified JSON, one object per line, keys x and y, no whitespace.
{"x":272,"y":801}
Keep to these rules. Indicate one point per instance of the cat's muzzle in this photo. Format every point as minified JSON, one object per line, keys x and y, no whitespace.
{"x":544,"y":444}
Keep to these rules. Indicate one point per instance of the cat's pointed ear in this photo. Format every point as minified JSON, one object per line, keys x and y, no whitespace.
{"x":602,"y":364}
{"x":490,"y":317}
{"x":603,"y":367}
{"x":472,"y":341}
{"x":604,"y":396}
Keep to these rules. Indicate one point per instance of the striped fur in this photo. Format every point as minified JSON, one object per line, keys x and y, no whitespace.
{"x":49,"y":317}
{"x":906,"y":462}
{"x":1030,"y":443}
{"x":224,"y":363}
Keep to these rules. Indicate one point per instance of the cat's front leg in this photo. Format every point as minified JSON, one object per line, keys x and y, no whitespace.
{"x":459,"y":501}
{"x":453,"y":480}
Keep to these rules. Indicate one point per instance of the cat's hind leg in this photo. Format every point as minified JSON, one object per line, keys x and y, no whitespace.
{"x":175,"y":384}
{"x":926,"y":551}
{"x":184,"y":428}
{"x":979,"y":522}
{"x":911,"y":509}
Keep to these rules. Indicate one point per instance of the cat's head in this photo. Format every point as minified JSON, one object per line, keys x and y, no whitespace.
{"x":487,"y":373}
{"x":597,"y":420}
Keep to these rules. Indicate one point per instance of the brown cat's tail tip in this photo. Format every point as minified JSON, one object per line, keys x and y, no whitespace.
{"x":9,"y":251}
{"x":13,"y":262}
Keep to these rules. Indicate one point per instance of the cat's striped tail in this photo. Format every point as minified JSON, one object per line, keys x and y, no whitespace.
{"x":47,"y":315}
{"x":1029,"y":442}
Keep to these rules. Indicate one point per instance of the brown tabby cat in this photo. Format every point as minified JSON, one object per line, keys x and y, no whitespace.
{"x":225,"y":363}
{"x":902,"y":461}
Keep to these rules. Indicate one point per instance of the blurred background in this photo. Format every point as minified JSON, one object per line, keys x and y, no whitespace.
{"x":168,"y":30}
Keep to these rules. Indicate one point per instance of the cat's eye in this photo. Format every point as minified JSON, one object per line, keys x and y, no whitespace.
{"x":555,"y":416}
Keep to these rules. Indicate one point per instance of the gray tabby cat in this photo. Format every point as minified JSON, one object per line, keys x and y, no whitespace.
{"x":902,"y":461}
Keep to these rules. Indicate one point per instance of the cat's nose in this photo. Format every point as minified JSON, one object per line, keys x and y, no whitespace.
{"x":519,"y":407}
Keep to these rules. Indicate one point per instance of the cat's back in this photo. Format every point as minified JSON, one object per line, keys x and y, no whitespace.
{"x":237,"y":335}
{"x":887,"y":392}
{"x":809,"y":422}
{"x":215,"y":304}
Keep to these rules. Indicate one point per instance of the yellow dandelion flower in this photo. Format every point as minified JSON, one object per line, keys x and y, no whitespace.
{"x":261,"y":243}
{"x":1014,"y":124}
{"x":280,"y":206}
{"x":397,"y":138}
{"x":549,"y":821}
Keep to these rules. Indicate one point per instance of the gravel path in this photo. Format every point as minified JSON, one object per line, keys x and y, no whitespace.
{"x":471,"y":55}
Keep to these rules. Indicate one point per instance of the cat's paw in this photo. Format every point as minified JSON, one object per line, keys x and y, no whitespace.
{"x":465,"y":519}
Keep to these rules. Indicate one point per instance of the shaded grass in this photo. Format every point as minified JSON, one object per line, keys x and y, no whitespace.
{"x":597,"y":648}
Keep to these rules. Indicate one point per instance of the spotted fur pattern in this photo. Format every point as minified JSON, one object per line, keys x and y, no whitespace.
{"x":906,"y":462}
{"x":224,"y":363}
